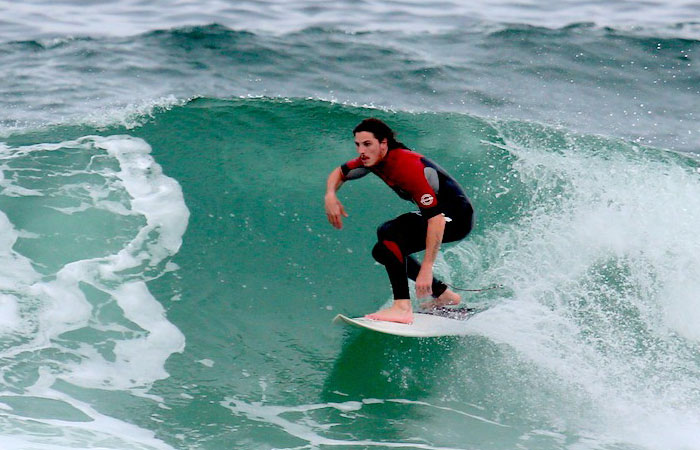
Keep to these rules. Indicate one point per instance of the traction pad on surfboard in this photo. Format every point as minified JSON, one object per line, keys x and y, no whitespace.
{"x":451,"y":313}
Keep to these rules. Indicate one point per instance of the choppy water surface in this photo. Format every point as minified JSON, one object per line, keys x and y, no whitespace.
{"x":168,"y":277}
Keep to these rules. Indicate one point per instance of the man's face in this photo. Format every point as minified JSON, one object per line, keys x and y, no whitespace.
{"x":371,"y":151}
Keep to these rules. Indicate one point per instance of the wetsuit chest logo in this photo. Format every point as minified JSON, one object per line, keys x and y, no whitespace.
{"x":426,"y":200}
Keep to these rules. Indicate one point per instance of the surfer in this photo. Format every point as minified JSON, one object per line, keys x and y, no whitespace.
{"x":444,"y":215}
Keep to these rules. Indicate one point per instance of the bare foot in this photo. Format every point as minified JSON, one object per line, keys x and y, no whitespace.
{"x":401,"y":311}
{"x":448,"y":298}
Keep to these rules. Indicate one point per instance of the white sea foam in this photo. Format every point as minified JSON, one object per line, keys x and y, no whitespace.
{"x":125,"y":111}
{"x":130,"y":115}
{"x":315,"y":433}
{"x":9,"y":312}
{"x":604,"y":274}
{"x":38,"y":311}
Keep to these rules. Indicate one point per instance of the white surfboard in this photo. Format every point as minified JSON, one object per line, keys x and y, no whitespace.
{"x":443,"y":322}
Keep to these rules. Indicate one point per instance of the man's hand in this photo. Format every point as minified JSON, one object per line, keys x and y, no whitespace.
{"x":334,"y":210}
{"x":424,"y":282}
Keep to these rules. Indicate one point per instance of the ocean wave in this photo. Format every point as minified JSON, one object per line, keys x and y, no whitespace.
{"x":77,"y":311}
{"x":129,"y":17}
{"x":631,"y":84}
{"x":592,"y":236}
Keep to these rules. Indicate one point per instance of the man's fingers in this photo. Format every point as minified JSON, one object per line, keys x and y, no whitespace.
{"x":335,"y":217}
{"x":335,"y":220}
{"x":335,"y":213}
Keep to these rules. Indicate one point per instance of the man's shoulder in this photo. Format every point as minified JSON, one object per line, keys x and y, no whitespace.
{"x":405,"y":153}
{"x":405,"y":156}
{"x":407,"y":168}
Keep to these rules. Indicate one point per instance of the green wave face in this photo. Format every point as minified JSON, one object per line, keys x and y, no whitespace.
{"x":213,"y":210}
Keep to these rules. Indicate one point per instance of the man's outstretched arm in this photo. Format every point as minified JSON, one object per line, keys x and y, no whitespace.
{"x":334,"y":209}
{"x":433,"y":240}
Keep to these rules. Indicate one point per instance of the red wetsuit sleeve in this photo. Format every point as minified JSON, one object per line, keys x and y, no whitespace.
{"x":353,"y":169}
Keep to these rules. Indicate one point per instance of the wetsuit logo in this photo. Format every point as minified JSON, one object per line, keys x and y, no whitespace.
{"x":426,"y":200}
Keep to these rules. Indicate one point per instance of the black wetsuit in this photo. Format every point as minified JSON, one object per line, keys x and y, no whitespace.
{"x":415,"y":178}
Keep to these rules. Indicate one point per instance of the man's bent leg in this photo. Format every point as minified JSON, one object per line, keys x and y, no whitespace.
{"x":455,"y":229}
{"x":388,"y":253}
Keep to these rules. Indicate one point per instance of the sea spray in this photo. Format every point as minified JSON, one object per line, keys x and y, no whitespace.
{"x":591,"y":264}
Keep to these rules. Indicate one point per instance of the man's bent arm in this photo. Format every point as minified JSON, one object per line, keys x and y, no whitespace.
{"x":335,"y":180}
{"x":334,"y":209}
{"x":433,"y":240}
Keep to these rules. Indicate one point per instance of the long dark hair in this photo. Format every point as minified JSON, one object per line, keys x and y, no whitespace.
{"x":380,"y":130}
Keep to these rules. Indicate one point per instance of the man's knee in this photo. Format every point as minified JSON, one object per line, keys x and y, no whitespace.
{"x":387,"y":252}
{"x":379,"y":253}
{"x":384,"y":231}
